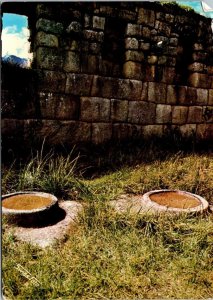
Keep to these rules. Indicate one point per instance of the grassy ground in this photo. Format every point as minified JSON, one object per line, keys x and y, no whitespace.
{"x":112,"y":256}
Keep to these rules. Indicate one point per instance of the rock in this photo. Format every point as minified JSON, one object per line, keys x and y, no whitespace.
{"x":49,"y":26}
{"x":48,"y":40}
{"x":79,"y":84}
{"x":134,"y":56}
{"x":202,"y":97}
{"x":163,"y":114}
{"x":119,"y":110}
{"x":195,"y":114}
{"x":94,"y":109}
{"x":157,"y":92}
{"x":49,"y":58}
{"x":72,"y":62}
{"x":101,"y":133}
{"x":146,"y":17}
{"x":132,"y":70}
{"x":98,"y":22}
{"x":74,"y":27}
{"x":141,"y":112}
{"x":131,"y":43}
{"x":179,"y":114}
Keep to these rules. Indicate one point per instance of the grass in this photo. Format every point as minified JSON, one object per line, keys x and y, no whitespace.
{"x":109,"y":255}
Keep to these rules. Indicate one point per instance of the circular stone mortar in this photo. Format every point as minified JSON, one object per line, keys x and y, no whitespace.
{"x":174,"y":201}
{"x":29,"y":208}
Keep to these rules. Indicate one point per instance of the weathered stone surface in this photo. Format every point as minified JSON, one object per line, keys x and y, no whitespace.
{"x":208,"y":114}
{"x":162,"y":60}
{"x":144,"y":94}
{"x":146,"y":32}
{"x":210,"y":101}
{"x":205,"y":132}
{"x":199,"y":56}
{"x":93,"y":35}
{"x":94,"y":109}
{"x":141,"y":112}
{"x":59,"y":106}
{"x":127,"y":14}
{"x":171,"y":61}
{"x":49,"y":26}
{"x":120,"y":131}
{"x":150,"y":73}
{"x":131,"y":43}
{"x":191,"y":96}
{"x":163,"y":114}
{"x":129,"y":89}
{"x":182,"y":94}
{"x":48,"y":40}
{"x":196,"y":67}
{"x":195,"y":114}
{"x":119,"y":110}
{"x":132,"y":70}
{"x":157,"y":92}
{"x":144,"y":46}
{"x":198,"y":47}
{"x":199,"y":80}
{"x":152,"y":59}
{"x":133,"y":30}
{"x":72,"y":62}
{"x":202,"y":97}
{"x":146,"y":17}
{"x":152,"y":130}
{"x":87,"y":20}
{"x":172,"y":94}
{"x":173,"y":42}
{"x":98,"y":22}
{"x":163,"y":28}
{"x":49,"y":58}
{"x":101,"y":133}
{"x":179,"y":114}
{"x":79,"y":84}
{"x":169,"y":75}
{"x":188,"y":130}
{"x":134,"y":56}
{"x":169,"y":18}
{"x":74,"y":27}
{"x":51,"y":81}
{"x":95,"y":48}
{"x":90,"y":64}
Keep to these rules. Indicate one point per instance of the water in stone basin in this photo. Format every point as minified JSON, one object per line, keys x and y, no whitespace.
{"x":174,"y":199}
{"x":26,"y":202}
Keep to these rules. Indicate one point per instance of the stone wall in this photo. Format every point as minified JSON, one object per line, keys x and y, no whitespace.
{"x":112,"y":71}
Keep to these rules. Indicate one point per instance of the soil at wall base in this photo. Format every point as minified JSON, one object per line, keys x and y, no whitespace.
{"x":174,"y":199}
{"x":26,"y":202}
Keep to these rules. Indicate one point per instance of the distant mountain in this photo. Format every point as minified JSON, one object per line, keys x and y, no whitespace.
{"x":15,"y":60}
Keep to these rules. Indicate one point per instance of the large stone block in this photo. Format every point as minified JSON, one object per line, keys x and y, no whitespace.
{"x":163,"y":114}
{"x":51,"y":81}
{"x":98,"y":22}
{"x":191,"y":96}
{"x":199,"y":80}
{"x":172,"y":94}
{"x":210,"y":101}
{"x":101,"y":133}
{"x":179,"y":114}
{"x":208,"y":114}
{"x":49,"y":26}
{"x":152,"y":130}
{"x":196,"y":67}
{"x":157,"y":92}
{"x":146,"y":17}
{"x":202,"y":97}
{"x":90,"y":64}
{"x":137,"y":56}
{"x":188,"y":130}
{"x":48,"y":40}
{"x":119,"y":110}
{"x":132,"y":70}
{"x":49,"y":58}
{"x":141,"y":112}
{"x":133,"y":30}
{"x":94,"y":109}
{"x":79,"y":84}
{"x":56,"y":106}
{"x":195,"y":114}
{"x":72,"y":62}
{"x":131,"y":43}
{"x":205,"y":132}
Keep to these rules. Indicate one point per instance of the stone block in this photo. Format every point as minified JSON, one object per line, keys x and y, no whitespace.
{"x":146,"y":32}
{"x":146,"y":17}
{"x":78,"y":84}
{"x":90,"y":64}
{"x":98,"y":22}
{"x":127,"y":15}
{"x":141,"y":112}
{"x":133,"y":30}
{"x":144,"y":46}
{"x":48,"y":40}
{"x":134,"y":56}
{"x":169,"y":75}
{"x":120,"y":131}
{"x":162,"y":60}
{"x":94,"y":109}
{"x":74,"y":46}
{"x":95,"y":48}
{"x":144,"y":94}
{"x":72,"y":62}
{"x":205,"y":132}
{"x":87,"y":21}
{"x":132,"y":70}
{"x":101,"y":133}
{"x":131,"y":43}
{"x":191,"y":96}
{"x":80,"y":132}
{"x":195,"y":114}
{"x":173,"y":42}
{"x":119,"y":110}
{"x":150,"y":73}
{"x":188,"y":130}
{"x":182,"y":96}
{"x":93,"y":36}
{"x":169,"y":18}
{"x":51,"y":81}
{"x":153,"y":59}
{"x":134,"y":131}
{"x":45,"y":11}
{"x":196,"y":67}
{"x":56,"y":106}
{"x":208,"y":114}
{"x":163,"y":114}
{"x":210,"y":101}
{"x":74,"y":27}
{"x":199,"y":80}
{"x":49,"y":26}
{"x":157,"y":92}
{"x":152,"y":130}
{"x":163,"y":28}
{"x":202,"y":97}
{"x":179,"y":114}
{"x":172,"y":94}
{"x":49,"y":58}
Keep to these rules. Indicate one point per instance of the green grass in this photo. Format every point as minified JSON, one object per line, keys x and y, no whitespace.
{"x":113,"y":256}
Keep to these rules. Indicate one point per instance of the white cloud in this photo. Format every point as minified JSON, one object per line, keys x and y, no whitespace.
{"x":16,"y":43}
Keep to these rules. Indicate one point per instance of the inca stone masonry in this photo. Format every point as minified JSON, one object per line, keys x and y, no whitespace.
{"x":111,"y":71}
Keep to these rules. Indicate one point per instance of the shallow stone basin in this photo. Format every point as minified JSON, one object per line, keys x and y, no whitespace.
{"x":174,"y":201}
{"x":29,"y":208}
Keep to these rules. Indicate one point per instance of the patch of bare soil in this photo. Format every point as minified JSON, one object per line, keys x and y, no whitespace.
{"x":174,"y":199}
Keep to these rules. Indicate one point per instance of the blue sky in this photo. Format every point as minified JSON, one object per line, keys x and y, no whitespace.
{"x":15,"y":32}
